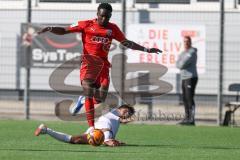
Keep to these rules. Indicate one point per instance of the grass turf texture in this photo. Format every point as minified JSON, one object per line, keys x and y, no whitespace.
{"x":144,"y":142}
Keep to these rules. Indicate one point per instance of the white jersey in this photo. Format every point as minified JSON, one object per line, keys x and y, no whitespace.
{"x":109,"y":121}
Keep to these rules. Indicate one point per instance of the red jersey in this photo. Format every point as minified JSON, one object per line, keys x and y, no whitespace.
{"x":97,"y":39}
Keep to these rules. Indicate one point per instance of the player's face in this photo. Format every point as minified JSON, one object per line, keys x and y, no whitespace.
{"x":124,"y":113}
{"x":187,"y":43}
{"x":103,"y":17}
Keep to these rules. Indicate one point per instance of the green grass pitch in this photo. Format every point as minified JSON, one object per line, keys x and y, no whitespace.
{"x":145,"y":142}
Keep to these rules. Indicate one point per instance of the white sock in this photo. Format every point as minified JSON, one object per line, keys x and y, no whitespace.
{"x":59,"y":136}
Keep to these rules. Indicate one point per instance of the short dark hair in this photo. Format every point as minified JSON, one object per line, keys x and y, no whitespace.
{"x":106,"y":6}
{"x":189,"y":38}
{"x":130,"y":109}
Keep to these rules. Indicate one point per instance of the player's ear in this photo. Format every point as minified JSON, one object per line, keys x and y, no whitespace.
{"x":110,"y":15}
{"x":98,"y":13}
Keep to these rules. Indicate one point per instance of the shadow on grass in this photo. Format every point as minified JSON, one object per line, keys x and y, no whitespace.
{"x":159,"y":146}
{"x":182,"y":146}
{"x":62,"y":150}
{"x":45,"y":150}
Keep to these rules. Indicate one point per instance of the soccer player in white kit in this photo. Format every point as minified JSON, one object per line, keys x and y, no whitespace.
{"x":108,"y":123}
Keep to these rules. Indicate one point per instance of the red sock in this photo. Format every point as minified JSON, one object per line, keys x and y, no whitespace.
{"x":89,"y":107}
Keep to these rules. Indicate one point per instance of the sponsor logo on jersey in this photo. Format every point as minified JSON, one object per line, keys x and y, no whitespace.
{"x":98,"y":39}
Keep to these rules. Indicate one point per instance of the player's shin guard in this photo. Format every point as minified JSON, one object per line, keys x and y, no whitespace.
{"x":89,"y":106}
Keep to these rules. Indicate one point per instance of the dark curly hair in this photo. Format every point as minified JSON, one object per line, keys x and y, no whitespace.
{"x":130,"y":109}
{"x":106,"y":6}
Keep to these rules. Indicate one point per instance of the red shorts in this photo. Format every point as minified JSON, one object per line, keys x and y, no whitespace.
{"x":96,"y":69}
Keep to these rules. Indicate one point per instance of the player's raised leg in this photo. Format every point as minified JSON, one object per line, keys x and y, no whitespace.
{"x":88,"y":89}
{"x":100,"y":94}
{"x":43,"y":129}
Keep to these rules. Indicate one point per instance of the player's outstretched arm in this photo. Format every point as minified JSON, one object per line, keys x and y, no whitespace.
{"x":135,"y":46}
{"x":55,"y":30}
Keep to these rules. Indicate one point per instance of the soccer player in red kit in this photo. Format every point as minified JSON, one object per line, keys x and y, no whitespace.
{"x":97,"y":35}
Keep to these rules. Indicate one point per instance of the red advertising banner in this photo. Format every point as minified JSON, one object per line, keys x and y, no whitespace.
{"x":48,"y":50}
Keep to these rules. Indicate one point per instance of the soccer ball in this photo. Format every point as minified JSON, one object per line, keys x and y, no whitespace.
{"x":96,"y":137}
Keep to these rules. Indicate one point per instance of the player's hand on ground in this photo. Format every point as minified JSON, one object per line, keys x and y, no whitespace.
{"x":46,"y":29}
{"x":121,"y":143}
{"x":154,"y":50}
{"x":112,"y":143}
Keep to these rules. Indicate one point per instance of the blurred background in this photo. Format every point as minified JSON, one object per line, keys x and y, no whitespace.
{"x":28,"y":61}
